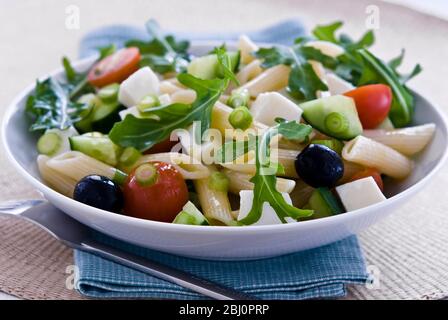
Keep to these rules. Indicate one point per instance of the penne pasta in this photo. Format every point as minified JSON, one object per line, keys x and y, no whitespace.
{"x":327,"y":48}
{"x":350,"y":169}
{"x":168,"y":87}
{"x":301,"y":194}
{"x":273,"y":79}
{"x":215,"y":204}
{"x":240,"y":181}
{"x":54,"y":178}
{"x":372,"y":154}
{"x":249,"y":72}
{"x":77,"y":165}
{"x":246,"y":46}
{"x":408,"y":141}
{"x":188,"y":167}
{"x":246,"y":163}
{"x":183,"y":96}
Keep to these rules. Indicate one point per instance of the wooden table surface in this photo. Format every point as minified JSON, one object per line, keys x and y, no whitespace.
{"x":34,"y":37}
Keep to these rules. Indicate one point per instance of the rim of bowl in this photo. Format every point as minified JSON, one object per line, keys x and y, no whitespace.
{"x":116,"y":218}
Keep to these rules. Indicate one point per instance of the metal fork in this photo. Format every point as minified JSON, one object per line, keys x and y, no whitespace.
{"x":78,"y":236}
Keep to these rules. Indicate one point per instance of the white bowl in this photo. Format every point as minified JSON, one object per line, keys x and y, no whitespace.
{"x":224,"y":243}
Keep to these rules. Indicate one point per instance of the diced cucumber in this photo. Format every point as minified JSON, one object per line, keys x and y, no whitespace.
{"x":55,"y":142}
{"x":191,"y":216}
{"x":85,"y":125}
{"x":208,"y":68}
{"x":109,"y":94}
{"x":333,"y":144}
{"x":324,"y":203}
{"x":97,"y":146}
{"x":335,"y":116}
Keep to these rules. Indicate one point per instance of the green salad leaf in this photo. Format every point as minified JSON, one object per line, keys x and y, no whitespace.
{"x":265,"y":181}
{"x":51,"y":108}
{"x":77,"y":83}
{"x":360,"y":67}
{"x":225,"y":64}
{"x":163,"y":54}
{"x":303,"y":80}
{"x":143,"y":134}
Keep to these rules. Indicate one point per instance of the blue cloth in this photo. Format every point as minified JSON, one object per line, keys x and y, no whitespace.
{"x":317,"y":273}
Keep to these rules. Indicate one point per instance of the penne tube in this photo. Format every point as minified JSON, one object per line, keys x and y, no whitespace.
{"x":408,"y":141}
{"x":246,"y":163}
{"x":189,"y":168}
{"x":77,"y":165}
{"x":240,"y":181}
{"x":246,"y":46}
{"x":168,"y":87}
{"x":55,"y":179}
{"x":350,"y":169}
{"x":249,"y":72}
{"x":327,"y":48}
{"x":215,"y":204}
{"x":301,"y":194}
{"x":184,"y":96}
{"x":372,"y":154}
{"x":273,"y":79}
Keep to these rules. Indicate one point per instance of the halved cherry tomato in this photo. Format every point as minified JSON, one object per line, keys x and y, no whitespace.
{"x":155,"y":191}
{"x":369,"y":173}
{"x":162,"y":147}
{"x":115,"y":68}
{"x":373,"y":103}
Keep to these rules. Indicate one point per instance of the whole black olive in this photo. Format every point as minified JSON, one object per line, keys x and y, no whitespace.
{"x":99,"y":192}
{"x":319,"y":166}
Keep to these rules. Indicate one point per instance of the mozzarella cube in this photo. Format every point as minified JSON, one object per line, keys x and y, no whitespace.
{"x":268,"y":216}
{"x":337,"y":85}
{"x":137,"y":86}
{"x":272,"y":105}
{"x":360,"y":194}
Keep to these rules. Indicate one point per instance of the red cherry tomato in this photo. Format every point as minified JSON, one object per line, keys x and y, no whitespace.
{"x":160,"y":200}
{"x":162,"y":147}
{"x":373,"y":103}
{"x":115,"y":68}
{"x":370,"y":173}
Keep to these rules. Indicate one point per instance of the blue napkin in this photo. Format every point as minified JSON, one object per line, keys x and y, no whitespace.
{"x":317,"y":273}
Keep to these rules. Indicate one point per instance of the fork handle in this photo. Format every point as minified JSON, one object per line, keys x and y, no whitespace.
{"x":152,"y":268}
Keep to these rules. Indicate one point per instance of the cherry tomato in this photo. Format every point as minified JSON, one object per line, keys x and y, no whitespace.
{"x":162,"y":147}
{"x":155,"y":191}
{"x":373,"y":103}
{"x":370,"y":173}
{"x":115,"y":68}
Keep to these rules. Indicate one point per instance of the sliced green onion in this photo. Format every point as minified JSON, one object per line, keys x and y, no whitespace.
{"x":109,"y":94}
{"x":49,"y":144}
{"x":146,"y":175}
{"x":129,"y":156}
{"x":218,"y":181}
{"x":120,"y":177}
{"x":241,"y":118}
{"x":239,"y":98}
{"x":147,"y":103}
{"x":336,"y":123}
{"x":333,"y":144}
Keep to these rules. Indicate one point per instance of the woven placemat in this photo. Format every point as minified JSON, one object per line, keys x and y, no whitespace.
{"x":408,"y":250}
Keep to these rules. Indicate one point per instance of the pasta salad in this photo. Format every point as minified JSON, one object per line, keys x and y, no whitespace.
{"x":251,"y":136}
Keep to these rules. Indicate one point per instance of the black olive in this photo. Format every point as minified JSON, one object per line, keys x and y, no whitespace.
{"x":319,"y":166}
{"x":99,"y":192}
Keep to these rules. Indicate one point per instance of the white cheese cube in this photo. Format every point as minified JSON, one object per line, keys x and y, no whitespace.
{"x":272,"y":105}
{"x":360,"y":194}
{"x":337,"y":85}
{"x":137,"y":86}
{"x":268,"y":216}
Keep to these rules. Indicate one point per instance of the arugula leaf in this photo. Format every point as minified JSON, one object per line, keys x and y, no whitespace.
{"x":290,"y":130}
{"x":162,"y":54}
{"x":327,"y":32}
{"x":77,"y":83}
{"x":50,"y":108}
{"x":403,"y":102}
{"x":303,"y":80}
{"x":107,"y":51}
{"x":395,"y":63}
{"x":225,"y":64}
{"x":143,"y":134}
{"x":265,"y":182}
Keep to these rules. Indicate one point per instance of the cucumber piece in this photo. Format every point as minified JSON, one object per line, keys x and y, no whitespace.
{"x":333,"y":144}
{"x":98,"y":146}
{"x":324,"y":203}
{"x":105,"y":116}
{"x":208,"y":68}
{"x":109,"y":94}
{"x":335,"y":116}
{"x":85,"y":125}
{"x":191,"y":216}
{"x":49,"y":144}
